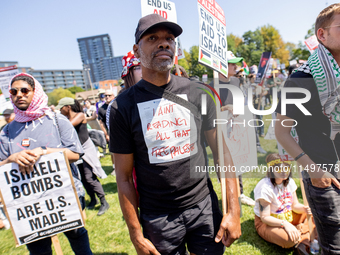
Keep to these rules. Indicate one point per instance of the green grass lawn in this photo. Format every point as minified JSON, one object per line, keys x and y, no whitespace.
{"x":109,"y":235}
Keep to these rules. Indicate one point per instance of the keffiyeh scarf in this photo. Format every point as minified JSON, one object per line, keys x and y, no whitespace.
{"x":326,"y":74}
{"x":38,"y":106}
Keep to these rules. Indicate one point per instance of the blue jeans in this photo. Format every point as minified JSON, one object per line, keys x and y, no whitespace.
{"x":78,"y":239}
{"x":325,"y":206}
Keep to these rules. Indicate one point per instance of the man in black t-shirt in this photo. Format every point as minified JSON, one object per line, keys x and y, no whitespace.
{"x":317,"y":128}
{"x":161,"y":138}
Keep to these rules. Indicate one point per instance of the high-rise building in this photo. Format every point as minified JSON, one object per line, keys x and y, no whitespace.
{"x":97,"y":55}
{"x":53,"y":79}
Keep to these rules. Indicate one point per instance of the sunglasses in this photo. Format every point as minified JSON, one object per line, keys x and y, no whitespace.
{"x":14,"y":91}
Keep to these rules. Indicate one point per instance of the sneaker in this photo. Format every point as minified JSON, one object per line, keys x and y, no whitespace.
{"x":103,"y":208}
{"x":92,"y":203}
{"x":247,"y":200}
{"x":261,"y":150}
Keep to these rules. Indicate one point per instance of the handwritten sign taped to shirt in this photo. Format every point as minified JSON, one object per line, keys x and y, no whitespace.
{"x":42,"y":203}
{"x":169,"y":130}
{"x":212,"y":42}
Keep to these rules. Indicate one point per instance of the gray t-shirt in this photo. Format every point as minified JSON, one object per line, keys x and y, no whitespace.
{"x":41,"y":132}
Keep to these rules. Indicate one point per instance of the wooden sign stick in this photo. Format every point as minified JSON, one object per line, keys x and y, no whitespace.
{"x":305,"y":202}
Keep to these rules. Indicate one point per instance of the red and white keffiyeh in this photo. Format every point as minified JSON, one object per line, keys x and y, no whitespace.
{"x":38,"y":106}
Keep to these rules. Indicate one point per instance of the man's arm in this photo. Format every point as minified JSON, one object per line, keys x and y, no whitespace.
{"x":230,"y":228}
{"x":102,"y":126}
{"x":319,"y":178}
{"x":128,"y":203}
{"x":27,"y":158}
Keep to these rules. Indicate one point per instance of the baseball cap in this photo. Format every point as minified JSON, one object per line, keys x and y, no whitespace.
{"x":153,"y":20}
{"x":232,"y":58}
{"x":101,"y":91}
{"x":8,"y":111}
{"x":65,"y":101}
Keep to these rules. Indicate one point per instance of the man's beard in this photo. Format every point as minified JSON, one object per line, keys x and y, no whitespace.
{"x":160,"y":66}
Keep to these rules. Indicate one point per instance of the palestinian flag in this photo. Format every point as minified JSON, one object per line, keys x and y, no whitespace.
{"x":205,"y":57}
{"x":245,"y":67}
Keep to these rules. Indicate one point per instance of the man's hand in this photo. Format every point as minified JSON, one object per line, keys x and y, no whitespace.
{"x":324,"y":181}
{"x":143,"y":246}
{"x":25,"y":159}
{"x":107,"y":138}
{"x":230,"y":230}
{"x":292,"y":231}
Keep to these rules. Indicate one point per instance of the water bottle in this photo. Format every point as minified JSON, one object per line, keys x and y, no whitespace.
{"x":314,"y":248}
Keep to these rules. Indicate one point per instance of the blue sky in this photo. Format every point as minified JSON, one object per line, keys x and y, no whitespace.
{"x":43,"y":34}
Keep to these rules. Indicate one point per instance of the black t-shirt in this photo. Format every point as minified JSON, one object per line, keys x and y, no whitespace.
{"x":102,"y":113}
{"x":313,"y":130}
{"x":167,"y":149}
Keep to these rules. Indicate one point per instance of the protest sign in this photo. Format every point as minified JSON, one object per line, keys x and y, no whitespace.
{"x":6,"y":74}
{"x":180,"y":53}
{"x":42,"y":203}
{"x":212,"y":36}
{"x":312,"y":43}
{"x":241,"y":140}
{"x":263,"y":67}
{"x":169,"y":132}
{"x":4,"y":104}
{"x":167,"y":10}
{"x":164,"y":8}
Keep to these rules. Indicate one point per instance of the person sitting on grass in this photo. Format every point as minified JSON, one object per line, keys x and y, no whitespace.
{"x":279,"y":216}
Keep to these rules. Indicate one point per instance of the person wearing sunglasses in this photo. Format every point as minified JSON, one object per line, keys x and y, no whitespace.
{"x":279,"y":216}
{"x":37,"y":131}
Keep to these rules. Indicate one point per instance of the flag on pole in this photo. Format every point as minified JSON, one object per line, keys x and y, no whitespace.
{"x":245,"y":67}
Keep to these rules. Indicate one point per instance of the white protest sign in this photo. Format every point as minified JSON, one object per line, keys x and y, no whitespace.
{"x":282,"y":152}
{"x":212,"y":41}
{"x":180,"y":52}
{"x":169,"y":130}
{"x":164,"y":8}
{"x":167,"y":10}
{"x":312,"y":43}
{"x":4,"y":104}
{"x":241,"y":140}
{"x":6,"y":74}
{"x":42,"y":203}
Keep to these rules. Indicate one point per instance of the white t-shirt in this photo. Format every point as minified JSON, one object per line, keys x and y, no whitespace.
{"x":279,"y":197}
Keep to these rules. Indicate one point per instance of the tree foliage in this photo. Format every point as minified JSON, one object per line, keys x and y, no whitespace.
{"x":273,"y":42}
{"x":75,"y":89}
{"x":57,"y":94}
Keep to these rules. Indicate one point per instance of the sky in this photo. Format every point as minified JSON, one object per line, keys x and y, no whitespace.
{"x":43,"y":33}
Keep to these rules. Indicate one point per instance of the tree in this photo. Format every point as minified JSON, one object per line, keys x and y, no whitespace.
{"x":184,"y":62}
{"x":196,"y":68}
{"x":57,"y":94}
{"x":75,"y":89}
{"x":251,"y":48}
{"x":301,"y":51}
{"x":273,"y":42}
{"x":233,"y":42}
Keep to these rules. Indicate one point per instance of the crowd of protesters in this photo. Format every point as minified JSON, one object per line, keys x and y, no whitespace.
{"x":167,"y":207}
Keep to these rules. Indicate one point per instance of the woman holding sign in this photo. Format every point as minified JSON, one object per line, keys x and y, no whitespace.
{"x":90,"y":168}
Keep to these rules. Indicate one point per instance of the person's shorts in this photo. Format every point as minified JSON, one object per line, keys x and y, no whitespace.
{"x":195,"y":228}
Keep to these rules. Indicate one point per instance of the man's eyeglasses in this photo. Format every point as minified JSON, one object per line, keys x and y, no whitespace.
{"x":333,"y":26}
{"x":14,"y":91}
